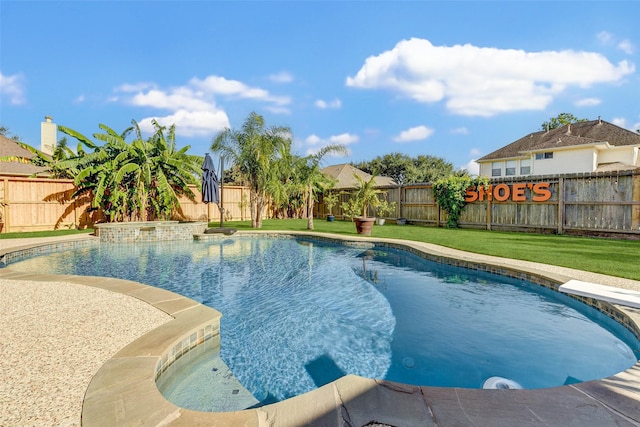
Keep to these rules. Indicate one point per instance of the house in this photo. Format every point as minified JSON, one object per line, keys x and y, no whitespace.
{"x":590,"y":146}
{"x":343,"y":175}
{"x":9,"y":149}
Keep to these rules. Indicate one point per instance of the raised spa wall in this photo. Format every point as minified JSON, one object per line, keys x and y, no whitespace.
{"x":148,"y":231}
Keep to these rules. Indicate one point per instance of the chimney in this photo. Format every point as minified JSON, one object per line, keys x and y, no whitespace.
{"x":48,"y":135}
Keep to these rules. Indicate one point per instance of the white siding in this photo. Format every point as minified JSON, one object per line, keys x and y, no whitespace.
{"x":485,"y":169}
{"x":626,"y":155}
{"x":566,"y":161}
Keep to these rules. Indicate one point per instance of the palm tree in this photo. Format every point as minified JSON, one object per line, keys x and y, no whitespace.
{"x":366,"y":194}
{"x":253,"y":149}
{"x":313,"y":180}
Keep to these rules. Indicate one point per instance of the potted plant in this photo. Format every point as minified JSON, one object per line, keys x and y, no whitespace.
{"x":330,"y":200}
{"x":350,"y":209}
{"x":384,"y":209}
{"x":365,"y":196}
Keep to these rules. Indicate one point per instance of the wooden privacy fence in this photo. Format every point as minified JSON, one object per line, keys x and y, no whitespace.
{"x":595,"y":203}
{"x":35,"y":204}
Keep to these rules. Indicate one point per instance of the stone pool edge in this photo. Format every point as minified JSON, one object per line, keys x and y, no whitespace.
{"x":123,"y":391}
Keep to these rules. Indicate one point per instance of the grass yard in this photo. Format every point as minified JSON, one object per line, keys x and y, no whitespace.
{"x":619,"y":258}
{"x":26,"y":234}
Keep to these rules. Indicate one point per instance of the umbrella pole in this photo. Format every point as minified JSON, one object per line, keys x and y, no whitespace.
{"x":221,"y":191}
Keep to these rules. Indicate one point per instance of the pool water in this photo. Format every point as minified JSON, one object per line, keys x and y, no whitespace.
{"x":298,"y":314}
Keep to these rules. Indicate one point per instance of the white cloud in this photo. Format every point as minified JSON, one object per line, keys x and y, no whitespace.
{"x":135,"y":87}
{"x":315,"y":143}
{"x":619,"y":121}
{"x":626,"y":46}
{"x":13,"y":87}
{"x":190,"y":123}
{"x":608,"y":39}
{"x":344,"y":138}
{"x":472,"y":167}
{"x":587,"y":102}
{"x":281,"y":77}
{"x":605,"y":37}
{"x":417,"y":133}
{"x":475,"y":81}
{"x":79,"y":99}
{"x":622,"y":122}
{"x":323,"y":105}
{"x":216,"y":85}
{"x":175,"y":99}
{"x":475,"y":152}
{"x":192,"y":107}
{"x":460,"y":131}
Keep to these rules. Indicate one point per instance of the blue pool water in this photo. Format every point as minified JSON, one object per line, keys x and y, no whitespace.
{"x":298,"y":314}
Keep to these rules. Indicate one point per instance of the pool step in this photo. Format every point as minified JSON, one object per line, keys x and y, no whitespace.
{"x":620,"y":296}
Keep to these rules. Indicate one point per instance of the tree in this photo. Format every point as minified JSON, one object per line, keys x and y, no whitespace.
{"x":253,"y":149}
{"x":404,"y":169}
{"x":314,"y":180}
{"x":4,"y":131}
{"x":141,"y":180}
{"x":366,"y":194}
{"x":561,"y":120}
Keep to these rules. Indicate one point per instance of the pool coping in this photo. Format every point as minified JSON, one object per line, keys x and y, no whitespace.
{"x":123,"y":391}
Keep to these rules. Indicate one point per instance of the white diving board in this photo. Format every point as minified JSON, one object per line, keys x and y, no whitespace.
{"x":606,"y":293}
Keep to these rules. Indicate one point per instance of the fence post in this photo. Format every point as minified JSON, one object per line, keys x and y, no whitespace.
{"x":5,"y":206}
{"x":489,"y":213}
{"x":560,"y":205}
{"x":635,"y":208}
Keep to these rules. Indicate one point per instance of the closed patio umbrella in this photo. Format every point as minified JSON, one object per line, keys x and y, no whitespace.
{"x":210,"y":192}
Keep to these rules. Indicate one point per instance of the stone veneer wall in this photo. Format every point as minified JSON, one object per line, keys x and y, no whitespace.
{"x":152,"y":231}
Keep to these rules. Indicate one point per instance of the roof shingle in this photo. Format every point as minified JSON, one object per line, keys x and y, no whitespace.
{"x":582,"y":133}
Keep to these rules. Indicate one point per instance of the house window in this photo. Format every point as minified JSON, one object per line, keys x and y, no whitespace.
{"x":547,"y":155}
{"x":496,"y":168}
{"x":510,"y":168}
{"x":525,"y":167}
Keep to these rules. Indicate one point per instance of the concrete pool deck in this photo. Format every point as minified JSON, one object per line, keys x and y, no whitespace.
{"x":123,"y":392}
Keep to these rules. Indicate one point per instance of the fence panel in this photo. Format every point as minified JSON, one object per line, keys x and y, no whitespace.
{"x":601,"y":202}
{"x":598,"y":202}
{"x":37,"y":204}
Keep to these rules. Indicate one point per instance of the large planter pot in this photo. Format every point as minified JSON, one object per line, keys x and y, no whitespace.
{"x":380,"y":221}
{"x":364,"y":225}
{"x":331,"y":218}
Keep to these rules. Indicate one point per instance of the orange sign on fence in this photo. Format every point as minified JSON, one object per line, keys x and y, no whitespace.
{"x":503,"y":192}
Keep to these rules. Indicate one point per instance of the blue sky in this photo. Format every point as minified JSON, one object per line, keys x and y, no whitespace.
{"x":451,"y":79}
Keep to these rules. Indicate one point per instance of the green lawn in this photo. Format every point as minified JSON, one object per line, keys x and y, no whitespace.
{"x":25,"y":234}
{"x":607,"y":256}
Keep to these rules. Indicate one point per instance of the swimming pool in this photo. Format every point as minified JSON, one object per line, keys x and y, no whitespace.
{"x":369,"y":312}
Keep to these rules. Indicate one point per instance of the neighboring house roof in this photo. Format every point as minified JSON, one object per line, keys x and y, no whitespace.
{"x":343,"y":174}
{"x":8,"y":148}
{"x":583,"y":133}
